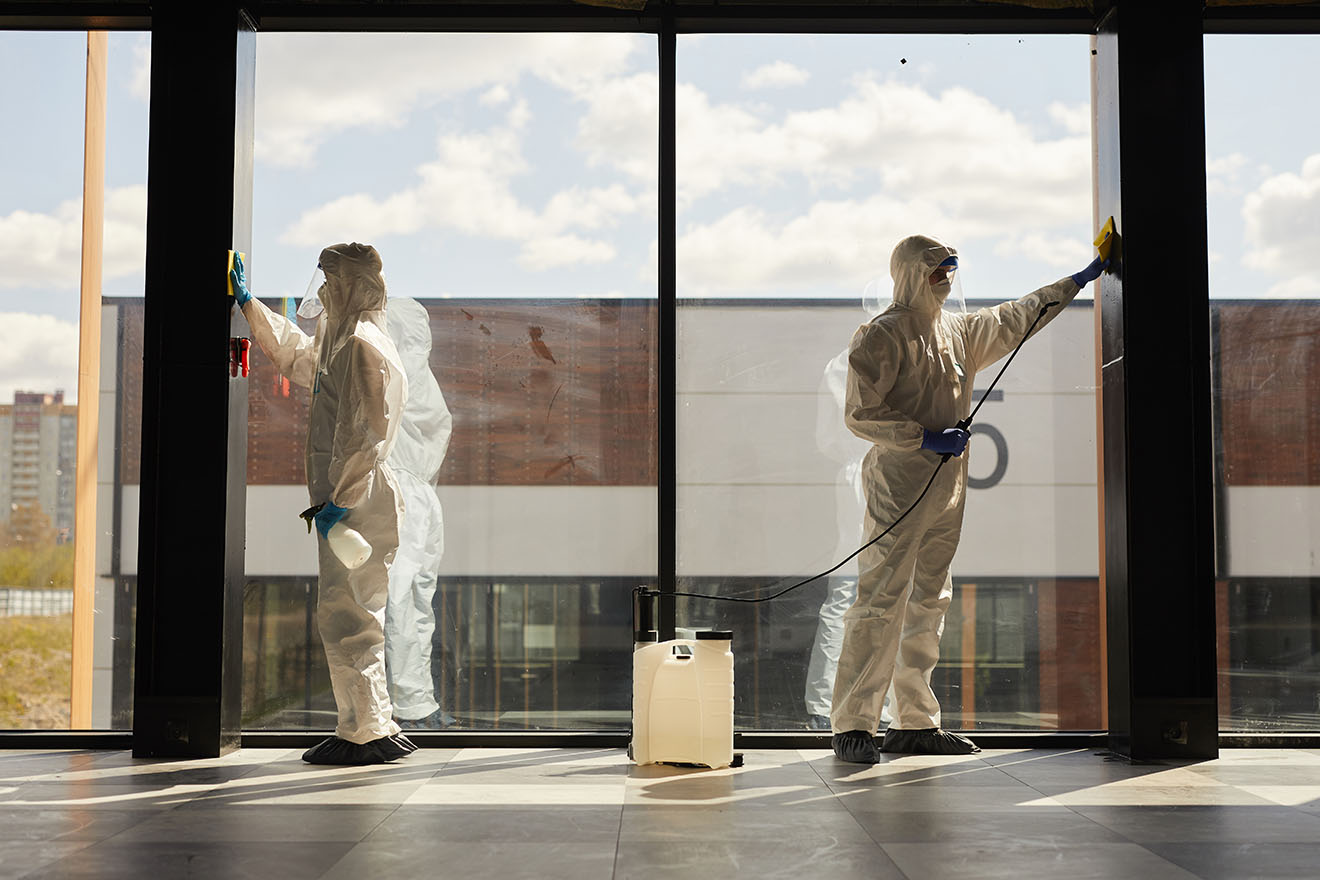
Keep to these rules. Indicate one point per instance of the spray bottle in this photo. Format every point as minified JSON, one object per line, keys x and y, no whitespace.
{"x":347,"y":544}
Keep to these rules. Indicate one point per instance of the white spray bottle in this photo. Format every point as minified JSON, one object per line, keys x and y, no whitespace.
{"x":348,"y":545}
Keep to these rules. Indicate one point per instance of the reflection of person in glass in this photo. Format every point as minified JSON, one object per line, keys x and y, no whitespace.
{"x":419,"y":450}
{"x":910,"y":374}
{"x":358,"y":394}
{"x":846,"y":450}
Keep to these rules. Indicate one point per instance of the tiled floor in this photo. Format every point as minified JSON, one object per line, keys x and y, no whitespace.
{"x":546,"y":813}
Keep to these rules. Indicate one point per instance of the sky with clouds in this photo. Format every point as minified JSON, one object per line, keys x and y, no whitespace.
{"x":525,"y":165}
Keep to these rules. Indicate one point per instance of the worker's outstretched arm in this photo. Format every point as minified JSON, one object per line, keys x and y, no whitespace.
{"x":994,"y":332}
{"x":292,"y":350}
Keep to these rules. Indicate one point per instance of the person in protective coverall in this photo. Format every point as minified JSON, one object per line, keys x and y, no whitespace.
{"x":910,"y":374}
{"x":419,"y":451}
{"x":359,"y":391}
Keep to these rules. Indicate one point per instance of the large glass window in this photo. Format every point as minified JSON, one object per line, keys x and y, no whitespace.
{"x":65,"y":562}
{"x":1263,"y":187}
{"x":802,"y":161}
{"x":508,"y":183}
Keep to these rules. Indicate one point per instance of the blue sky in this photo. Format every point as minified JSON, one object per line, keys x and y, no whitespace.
{"x":524,"y":165}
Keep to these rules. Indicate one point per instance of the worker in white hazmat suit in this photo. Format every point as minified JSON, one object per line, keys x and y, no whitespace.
{"x":910,"y":374}
{"x":358,"y":395}
{"x":419,"y":450}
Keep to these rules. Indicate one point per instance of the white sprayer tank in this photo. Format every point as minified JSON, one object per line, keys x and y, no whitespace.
{"x":683,"y":701}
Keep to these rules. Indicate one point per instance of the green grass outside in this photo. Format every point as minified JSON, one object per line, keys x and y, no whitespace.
{"x":36,"y":662}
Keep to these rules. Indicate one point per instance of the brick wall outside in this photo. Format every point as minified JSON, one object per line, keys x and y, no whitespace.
{"x":542,"y":393}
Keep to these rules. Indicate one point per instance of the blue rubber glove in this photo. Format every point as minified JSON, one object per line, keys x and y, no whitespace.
{"x":327,"y":516}
{"x":239,"y":280}
{"x":950,"y":441}
{"x":1091,"y":272}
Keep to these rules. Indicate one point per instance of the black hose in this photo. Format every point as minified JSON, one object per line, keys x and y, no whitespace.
{"x":964,"y":425}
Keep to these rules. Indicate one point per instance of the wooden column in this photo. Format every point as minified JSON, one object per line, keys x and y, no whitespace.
{"x":89,"y":386}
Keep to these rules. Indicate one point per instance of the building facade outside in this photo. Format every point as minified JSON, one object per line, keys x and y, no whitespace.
{"x":38,"y":444}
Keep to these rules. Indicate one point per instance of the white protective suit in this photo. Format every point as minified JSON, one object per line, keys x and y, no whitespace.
{"x":358,"y":394}
{"x":911,"y":368}
{"x":419,"y":450}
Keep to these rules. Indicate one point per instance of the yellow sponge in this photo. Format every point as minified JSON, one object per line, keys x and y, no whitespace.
{"x":1104,"y":242}
{"x":230,"y":281}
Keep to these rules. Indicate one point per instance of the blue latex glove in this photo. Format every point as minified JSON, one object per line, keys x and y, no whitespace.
{"x":950,"y":441}
{"x":327,"y":516}
{"x":1091,"y":272}
{"x":239,"y":279}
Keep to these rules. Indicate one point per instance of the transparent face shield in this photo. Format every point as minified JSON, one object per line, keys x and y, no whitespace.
{"x":946,"y":283}
{"x":311,"y":304}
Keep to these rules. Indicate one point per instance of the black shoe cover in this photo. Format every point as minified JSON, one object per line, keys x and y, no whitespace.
{"x":855,"y":747}
{"x":340,"y":751}
{"x":932,"y":741}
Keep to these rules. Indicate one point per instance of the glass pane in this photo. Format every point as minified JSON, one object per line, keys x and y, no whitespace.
{"x":1264,"y":197}
{"x":802,"y":162}
{"x":507,"y":182}
{"x":43,"y":83}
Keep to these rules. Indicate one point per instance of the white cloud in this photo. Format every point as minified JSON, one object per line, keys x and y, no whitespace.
{"x":620,"y":126}
{"x":901,"y":159}
{"x":1222,"y":174}
{"x":1075,"y":118}
{"x":1283,"y":228}
{"x":40,"y":354}
{"x":563,"y":250}
{"x":469,"y":189}
{"x":956,"y":147}
{"x":1052,"y":250}
{"x":313,"y":86}
{"x":832,"y":243}
{"x":494,"y":96}
{"x":45,"y":250}
{"x":778,"y":74}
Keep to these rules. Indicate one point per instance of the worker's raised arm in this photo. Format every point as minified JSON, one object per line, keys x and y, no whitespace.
{"x":292,"y":351}
{"x":995,"y":331}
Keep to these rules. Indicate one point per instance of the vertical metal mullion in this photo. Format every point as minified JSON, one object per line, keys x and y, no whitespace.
{"x":667,"y":317}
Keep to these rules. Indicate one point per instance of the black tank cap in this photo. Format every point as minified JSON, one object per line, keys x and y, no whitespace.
{"x":715,"y":635}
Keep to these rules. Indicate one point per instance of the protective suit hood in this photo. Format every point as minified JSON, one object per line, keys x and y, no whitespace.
{"x":353,"y":280}
{"x":353,"y":292}
{"x":910,"y":265}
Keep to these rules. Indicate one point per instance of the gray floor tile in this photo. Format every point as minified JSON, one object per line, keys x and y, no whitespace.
{"x":993,"y":827}
{"x":87,"y":796}
{"x":196,"y":861}
{"x":1118,"y":794}
{"x":1238,"y":861}
{"x":18,"y":858}
{"x":1011,"y":861}
{"x":506,"y":861}
{"x":494,"y":824}
{"x":246,"y":822}
{"x":40,"y":823}
{"x":679,"y":825}
{"x":790,"y":860}
{"x":945,"y":798}
{"x":1190,"y":824}
{"x":838,"y":773}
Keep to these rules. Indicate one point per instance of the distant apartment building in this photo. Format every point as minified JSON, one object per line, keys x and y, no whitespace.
{"x":38,"y":435}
